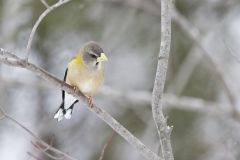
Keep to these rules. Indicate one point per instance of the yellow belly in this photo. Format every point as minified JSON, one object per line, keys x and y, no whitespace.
{"x":87,"y":81}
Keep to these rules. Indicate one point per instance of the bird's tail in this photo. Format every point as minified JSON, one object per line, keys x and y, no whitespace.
{"x":63,"y":112}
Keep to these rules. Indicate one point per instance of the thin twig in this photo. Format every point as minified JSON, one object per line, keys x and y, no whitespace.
{"x":33,"y":156}
{"x":193,"y":33}
{"x":44,"y":151}
{"x":40,"y":18}
{"x":102,"y":114}
{"x":3,"y":114}
{"x":109,"y":140}
{"x":7,"y":54}
{"x":35,"y":136}
{"x":164,"y":131}
{"x":51,"y":140}
{"x":45,"y":3}
{"x":230,"y":50}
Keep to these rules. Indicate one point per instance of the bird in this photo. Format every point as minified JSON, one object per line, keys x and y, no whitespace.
{"x":85,"y":72}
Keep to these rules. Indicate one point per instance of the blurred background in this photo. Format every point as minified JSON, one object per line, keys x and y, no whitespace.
{"x":202,"y":87}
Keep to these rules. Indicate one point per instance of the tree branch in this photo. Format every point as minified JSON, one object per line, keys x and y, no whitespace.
{"x":33,"y":156}
{"x":146,"y":152}
{"x":164,"y":131}
{"x":38,"y":146}
{"x":230,"y":50}
{"x":40,"y":18}
{"x":194,"y":34}
{"x":170,"y":101}
{"x":45,"y":3}
{"x":35,"y":136}
{"x":109,"y":140}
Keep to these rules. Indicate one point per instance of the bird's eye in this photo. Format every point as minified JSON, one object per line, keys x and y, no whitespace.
{"x":93,"y":56}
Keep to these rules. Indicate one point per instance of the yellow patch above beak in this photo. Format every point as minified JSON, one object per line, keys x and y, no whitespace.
{"x":102,"y":58}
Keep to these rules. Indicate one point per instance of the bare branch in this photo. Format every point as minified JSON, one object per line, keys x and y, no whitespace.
{"x":193,"y":33}
{"x":45,"y":3}
{"x":2,"y":113}
{"x":51,"y":140}
{"x":7,"y":54}
{"x":164,"y":131}
{"x":33,"y":156}
{"x":41,"y":17}
{"x":44,"y":151}
{"x":230,"y":50}
{"x":35,"y":136}
{"x":109,"y":140}
{"x":102,"y":114}
{"x":170,"y":101}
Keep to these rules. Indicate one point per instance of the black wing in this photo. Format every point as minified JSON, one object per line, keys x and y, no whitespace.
{"x":65,"y":76}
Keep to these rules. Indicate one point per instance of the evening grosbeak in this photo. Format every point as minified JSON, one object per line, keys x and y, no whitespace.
{"x":85,"y":72}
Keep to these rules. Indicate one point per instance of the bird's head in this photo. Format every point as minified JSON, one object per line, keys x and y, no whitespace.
{"x":93,"y":55}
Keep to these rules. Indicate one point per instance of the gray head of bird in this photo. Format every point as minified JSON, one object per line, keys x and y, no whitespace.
{"x":93,"y":55}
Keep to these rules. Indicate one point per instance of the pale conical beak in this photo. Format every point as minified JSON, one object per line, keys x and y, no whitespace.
{"x":102,"y":58}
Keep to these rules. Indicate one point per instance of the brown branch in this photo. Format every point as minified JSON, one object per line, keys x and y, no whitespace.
{"x":40,"y":18}
{"x":109,"y":140}
{"x":164,"y":131}
{"x":128,"y":136}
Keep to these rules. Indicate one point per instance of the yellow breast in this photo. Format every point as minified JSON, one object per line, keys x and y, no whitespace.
{"x":80,"y":76}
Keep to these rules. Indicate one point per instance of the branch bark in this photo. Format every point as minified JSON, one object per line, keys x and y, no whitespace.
{"x":8,"y":58}
{"x":163,"y":129}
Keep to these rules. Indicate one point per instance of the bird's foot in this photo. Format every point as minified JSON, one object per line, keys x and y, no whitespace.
{"x":90,"y":101}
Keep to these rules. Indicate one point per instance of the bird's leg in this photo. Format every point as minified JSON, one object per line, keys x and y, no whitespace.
{"x":90,"y":101}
